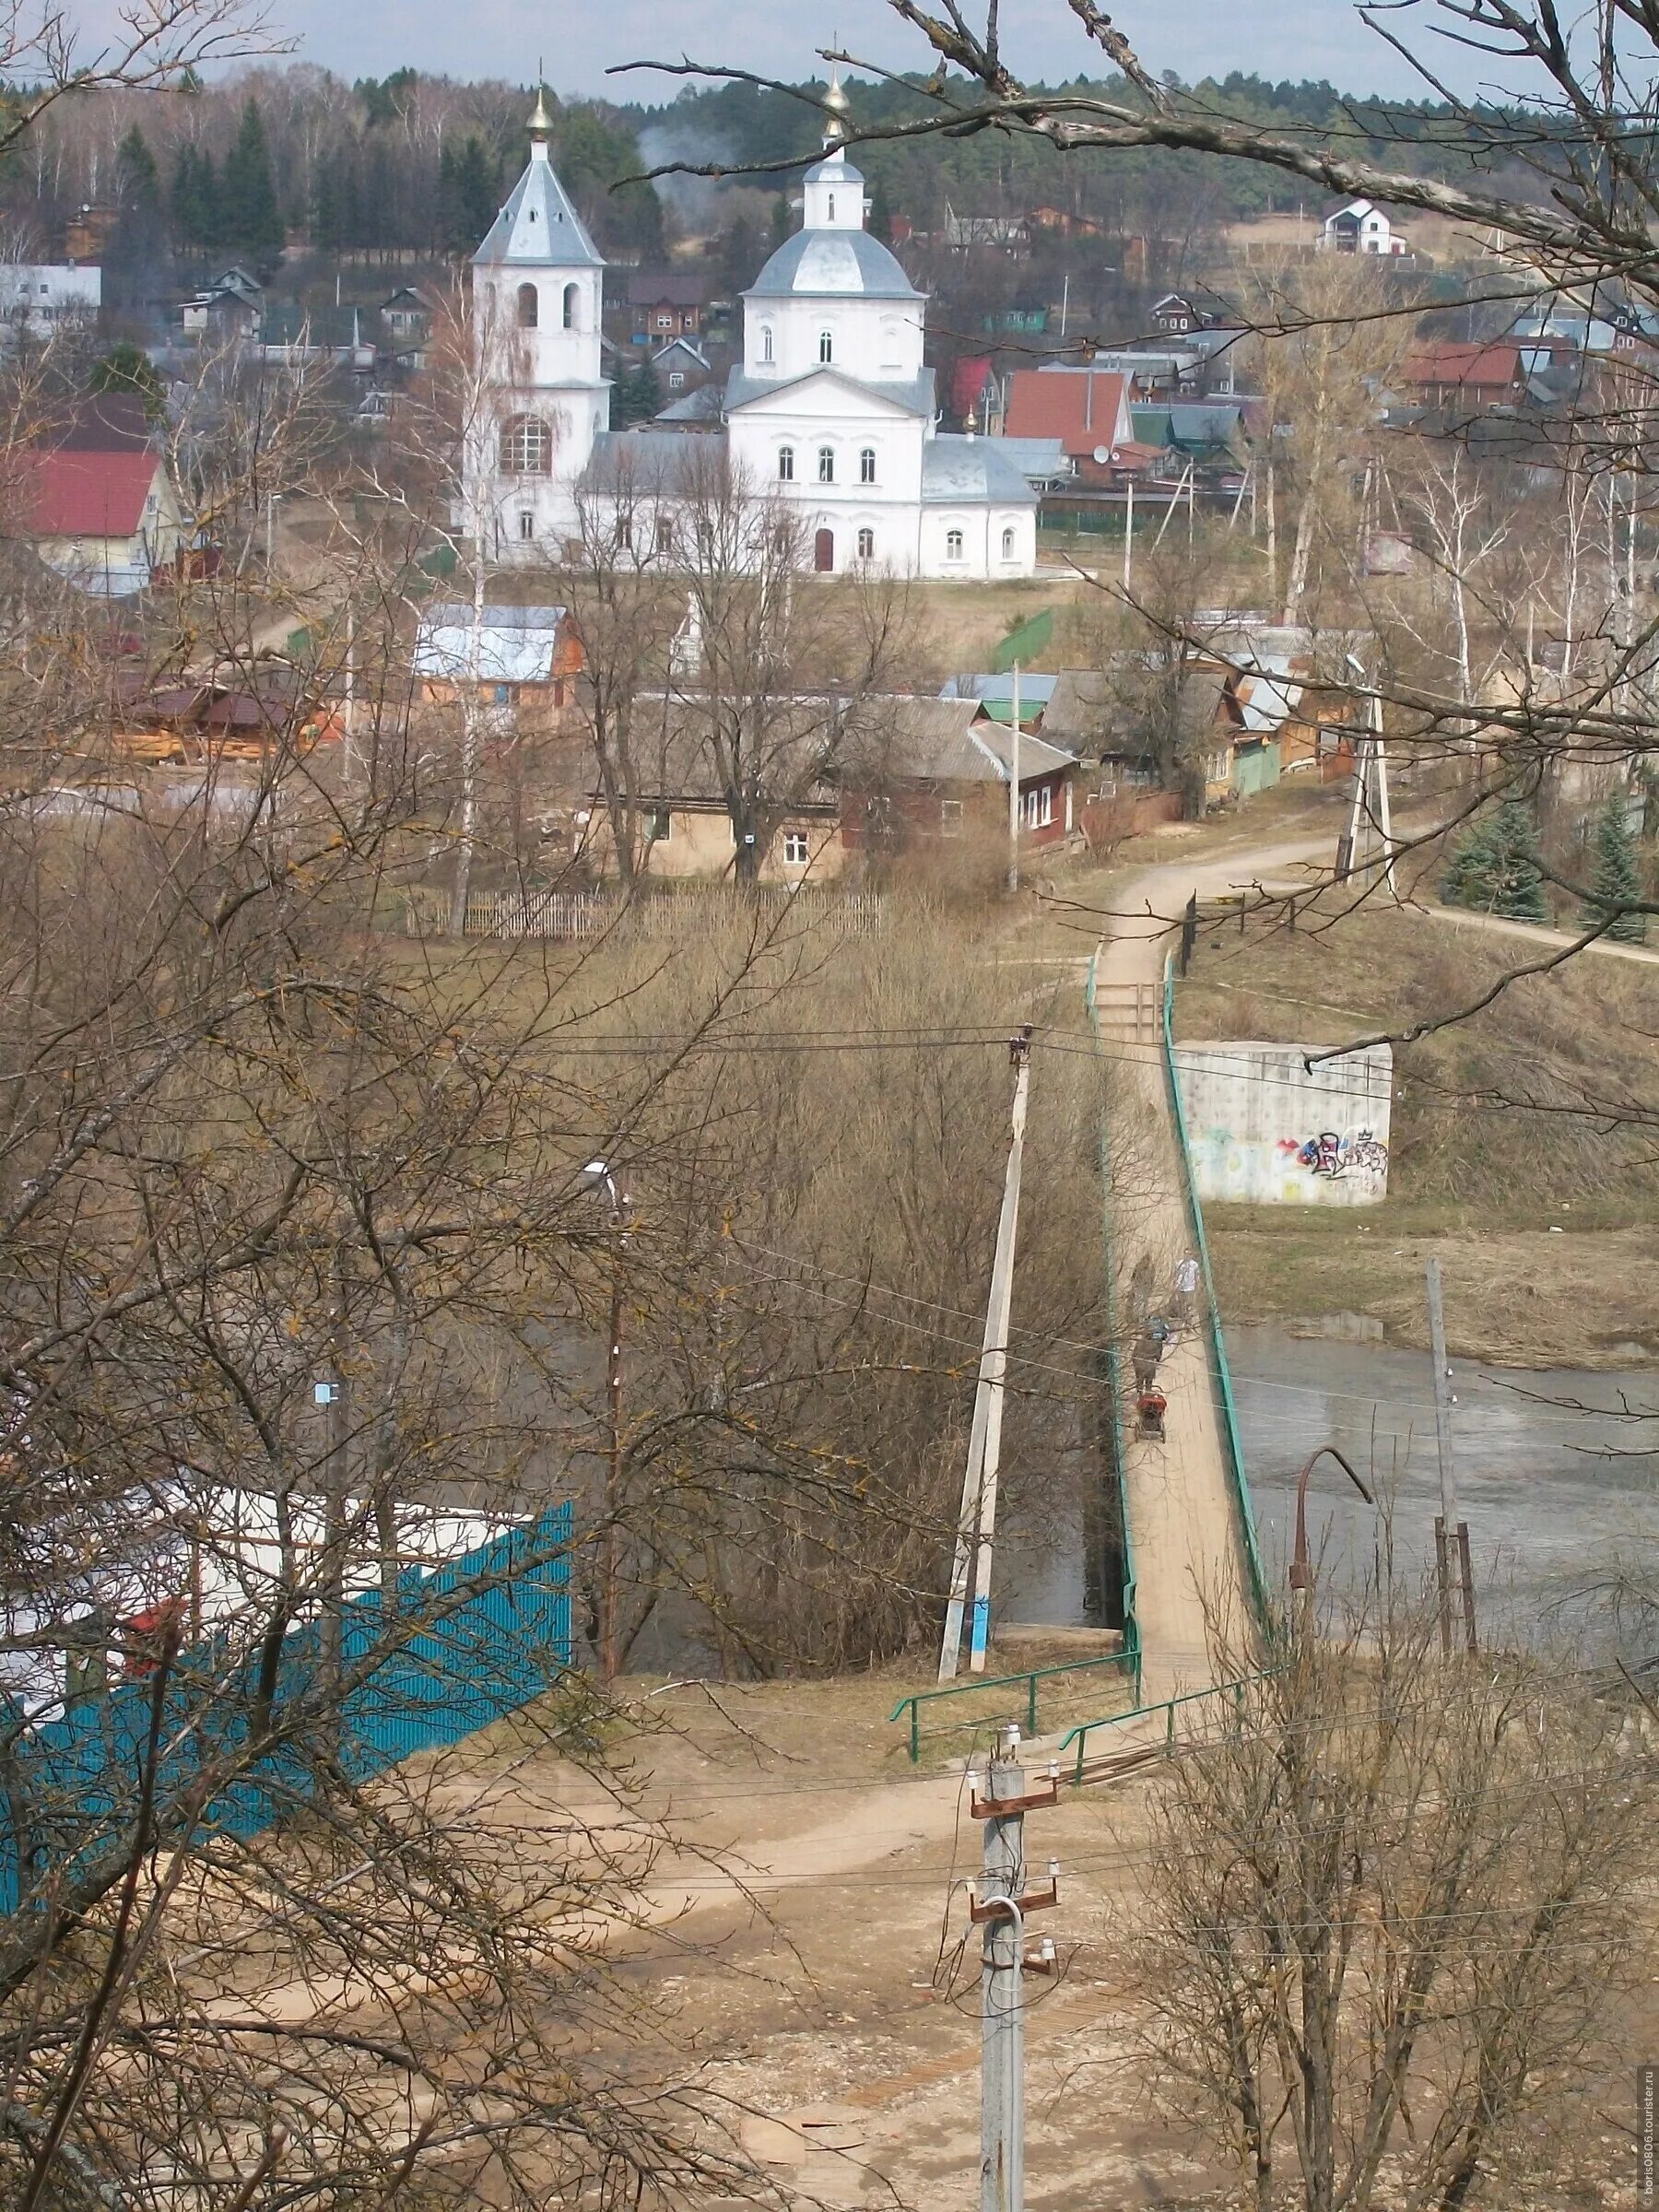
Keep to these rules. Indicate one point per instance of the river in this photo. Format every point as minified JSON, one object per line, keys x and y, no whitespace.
{"x":1555,"y":1496}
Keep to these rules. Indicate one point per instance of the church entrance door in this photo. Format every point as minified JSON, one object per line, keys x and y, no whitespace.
{"x":823,"y":552}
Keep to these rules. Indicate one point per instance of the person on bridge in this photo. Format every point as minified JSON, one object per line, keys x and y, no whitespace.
{"x":1186,"y":1290}
{"x":1151,"y":1406}
{"x":1143,"y":1356}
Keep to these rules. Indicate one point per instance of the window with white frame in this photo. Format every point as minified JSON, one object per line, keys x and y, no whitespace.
{"x":677,"y":378}
{"x":826,"y":464}
{"x":526,"y":523}
{"x":951,"y":818}
{"x":953,"y":545}
{"x":766,"y":342}
{"x":1007,"y":545}
{"x":796,"y":852}
{"x":659,"y":826}
{"x":1037,"y":807}
{"x":825,"y":344}
{"x":786,"y":465}
{"x":526,"y":446}
{"x":866,"y":465}
{"x":866,"y":544}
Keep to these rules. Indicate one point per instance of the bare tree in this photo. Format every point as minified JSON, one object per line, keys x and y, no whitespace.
{"x":1389,"y":1906}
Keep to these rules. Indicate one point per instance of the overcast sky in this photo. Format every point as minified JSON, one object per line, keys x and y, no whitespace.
{"x":576,"y":40}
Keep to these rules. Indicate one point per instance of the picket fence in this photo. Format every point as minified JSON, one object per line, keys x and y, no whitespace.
{"x":574,"y":916}
{"x":495,"y":1629}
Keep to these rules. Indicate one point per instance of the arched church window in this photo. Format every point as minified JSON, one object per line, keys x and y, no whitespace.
{"x":825,"y":344}
{"x":1007,"y":545}
{"x":866,"y":544}
{"x":953,"y":545}
{"x":529,"y":307}
{"x":526,"y":446}
{"x":786,"y":465}
{"x":766,"y":342}
{"x":826,"y":464}
{"x":831,"y":206}
{"x":866,"y":465}
{"x":572,"y":306}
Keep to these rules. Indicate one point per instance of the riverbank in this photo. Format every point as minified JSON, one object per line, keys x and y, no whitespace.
{"x":1520,"y":1153}
{"x":1583,"y":1293}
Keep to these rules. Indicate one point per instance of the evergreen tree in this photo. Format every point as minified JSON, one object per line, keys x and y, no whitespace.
{"x":194,"y":198}
{"x":327,"y":224}
{"x":1495,"y":866}
{"x":128,"y":368}
{"x":636,"y":396}
{"x":468,"y":194}
{"x":252,"y":219}
{"x":139,"y":179}
{"x":881,"y":223}
{"x":1616,"y":879}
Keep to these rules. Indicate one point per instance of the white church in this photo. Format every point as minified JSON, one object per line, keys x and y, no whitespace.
{"x":831,"y":409}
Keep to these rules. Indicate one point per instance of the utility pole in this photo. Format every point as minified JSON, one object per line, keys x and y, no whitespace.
{"x":1449,"y":1531}
{"x":1013,"y":787}
{"x":977,"y":1520}
{"x":1371,"y":812}
{"x":331,"y":1396}
{"x":1129,"y":534}
{"x":1001,"y":1909}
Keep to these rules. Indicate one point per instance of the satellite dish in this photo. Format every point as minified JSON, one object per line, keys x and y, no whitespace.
{"x":1102,"y":454}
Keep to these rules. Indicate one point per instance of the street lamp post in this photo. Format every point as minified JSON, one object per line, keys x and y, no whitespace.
{"x":1301,"y":1573}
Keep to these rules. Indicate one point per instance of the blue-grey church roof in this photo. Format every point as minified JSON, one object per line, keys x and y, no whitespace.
{"x":832,"y":265}
{"x":539,"y":224}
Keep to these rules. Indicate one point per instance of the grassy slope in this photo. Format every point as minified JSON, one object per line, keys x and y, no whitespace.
{"x":1490,"y":1158}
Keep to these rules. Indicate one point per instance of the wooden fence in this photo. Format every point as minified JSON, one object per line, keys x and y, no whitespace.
{"x":575,"y":916}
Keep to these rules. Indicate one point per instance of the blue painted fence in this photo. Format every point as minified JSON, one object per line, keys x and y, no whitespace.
{"x":476,"y":1658}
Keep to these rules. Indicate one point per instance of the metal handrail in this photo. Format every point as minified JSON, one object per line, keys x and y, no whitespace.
{"x":1219,"y":1368}
{"x":1031,"y":1678}
{"x":1114,"y":1379}
{"x":1084,"y":1729}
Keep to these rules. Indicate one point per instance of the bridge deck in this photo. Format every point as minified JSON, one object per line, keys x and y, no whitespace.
{"x":1188,"y":1555}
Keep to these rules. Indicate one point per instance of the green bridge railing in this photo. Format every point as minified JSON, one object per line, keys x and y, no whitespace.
{"x":1167,"y":1706}
{"x":1220,"y":1373}
{"x":1028,"y":1712}
{"x":1114,"y":1377}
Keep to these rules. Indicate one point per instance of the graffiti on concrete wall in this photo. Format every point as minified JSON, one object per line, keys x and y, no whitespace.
{"x":1340,"y":1153}
{"x":1243,"y":1100}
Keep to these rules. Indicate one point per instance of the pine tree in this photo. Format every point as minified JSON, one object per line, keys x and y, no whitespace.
{"x":128,"y":368}
{"x":478,"y":191}
{"x":1616,"y":879}
{"x":195,"y":198}
{"x":253,"y":220}
{"x":880,"y":224}
{"x":140,"y":180}
{"x":1495,"y":866}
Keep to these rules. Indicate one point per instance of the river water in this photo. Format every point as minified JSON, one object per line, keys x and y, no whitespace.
{"x":1557,"y":1477}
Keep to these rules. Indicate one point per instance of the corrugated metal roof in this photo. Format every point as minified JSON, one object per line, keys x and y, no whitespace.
{"x":972,"y":469}
{"x":76,"y":493}
{"x":516,"y":644}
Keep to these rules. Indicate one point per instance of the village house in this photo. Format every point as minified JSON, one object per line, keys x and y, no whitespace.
{"x":404,"y":315}
{"x":1086,"y":410}
{"x":932,"y":768}
{"x":662,"y":304}
{"x":97,"y":502}
{"x":683,"y":807}
{"x":526,"y":658}
{"x":38,"y":299}
{"x":1466,"y":378}
{"x":1361,"y":228}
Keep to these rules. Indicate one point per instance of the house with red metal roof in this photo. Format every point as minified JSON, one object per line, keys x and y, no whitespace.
{"x":1086,"y":409}
{"x":107,"y":517}
{"x":1468,"y":376}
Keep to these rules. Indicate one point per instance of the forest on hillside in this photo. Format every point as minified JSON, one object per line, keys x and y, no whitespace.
{"x":295,"y":157}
